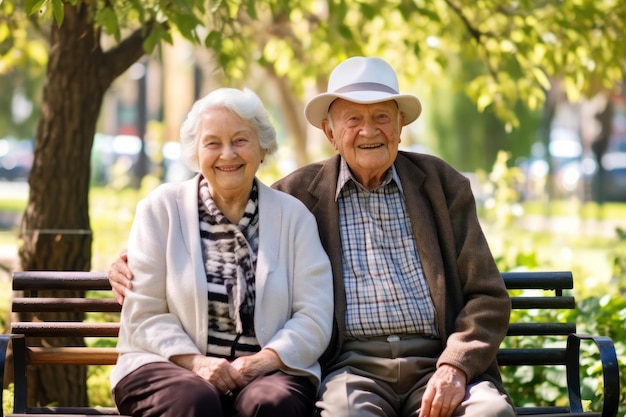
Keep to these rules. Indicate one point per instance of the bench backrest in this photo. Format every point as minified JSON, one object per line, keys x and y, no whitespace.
{"x":543,"y":293}
{"x":46,"y":294}
{"x":89,"y":292}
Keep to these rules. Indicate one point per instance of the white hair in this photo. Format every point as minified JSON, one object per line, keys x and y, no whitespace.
{"x":244,"y":103}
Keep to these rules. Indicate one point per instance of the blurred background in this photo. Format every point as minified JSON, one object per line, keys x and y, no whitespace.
{"x":527,"y":99}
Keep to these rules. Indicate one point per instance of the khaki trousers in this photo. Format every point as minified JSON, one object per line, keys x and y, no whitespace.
{"x":387,"y":378}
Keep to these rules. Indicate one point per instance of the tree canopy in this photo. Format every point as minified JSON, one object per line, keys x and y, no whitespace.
{"x":521,"y":44}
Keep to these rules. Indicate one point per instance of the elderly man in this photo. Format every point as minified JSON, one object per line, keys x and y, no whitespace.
{"x":420,"y":306}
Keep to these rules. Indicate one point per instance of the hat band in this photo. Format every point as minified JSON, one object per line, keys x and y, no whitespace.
{"x":366,"y":87}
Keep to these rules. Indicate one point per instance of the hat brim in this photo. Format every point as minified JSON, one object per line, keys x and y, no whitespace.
{"x":316,"y":109}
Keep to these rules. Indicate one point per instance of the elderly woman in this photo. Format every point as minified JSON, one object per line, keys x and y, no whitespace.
{"x":231,"y":304}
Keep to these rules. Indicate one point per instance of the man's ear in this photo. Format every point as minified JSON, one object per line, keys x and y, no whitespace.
{"x":328,"y":131}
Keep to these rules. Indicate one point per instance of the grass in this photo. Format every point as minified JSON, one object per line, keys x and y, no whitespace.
{"x":111,"y":214}
{"x":580,"y":248}
{"x":112,"y":211}
{"x":588,"y":210}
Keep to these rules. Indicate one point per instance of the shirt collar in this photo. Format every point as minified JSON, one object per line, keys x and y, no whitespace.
{"x":345,"y":175}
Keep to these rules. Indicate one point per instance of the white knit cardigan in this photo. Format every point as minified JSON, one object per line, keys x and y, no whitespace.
{"x":166,"y":312}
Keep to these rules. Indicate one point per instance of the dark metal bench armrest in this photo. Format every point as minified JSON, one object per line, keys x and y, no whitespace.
{"x":4,"y":344}
{"x":19,"y":369}
{"x":610,"y":373}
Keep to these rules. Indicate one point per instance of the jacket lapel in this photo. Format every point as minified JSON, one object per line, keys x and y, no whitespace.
{"x":420,"y":208}
{"x":187,"y":203}
{"x":323,"y":187}
{"x":270,"y":218}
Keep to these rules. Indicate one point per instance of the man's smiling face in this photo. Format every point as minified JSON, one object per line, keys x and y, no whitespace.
{"x":366,"y":136}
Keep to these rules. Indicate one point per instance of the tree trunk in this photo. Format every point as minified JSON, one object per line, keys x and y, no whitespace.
{"x":293,"y":113}
{"x":55,"y":231}
{"x":600,"y":146}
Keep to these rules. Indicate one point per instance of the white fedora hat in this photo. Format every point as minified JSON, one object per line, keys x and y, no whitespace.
{"x":362,"y":80}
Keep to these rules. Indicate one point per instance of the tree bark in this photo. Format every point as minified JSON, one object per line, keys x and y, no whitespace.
{"x":292,"y":111}
{"x":55,"y":230}
{"x":599,"y":147}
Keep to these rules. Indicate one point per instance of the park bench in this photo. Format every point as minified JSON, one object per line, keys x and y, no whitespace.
{"x":546,"y":292}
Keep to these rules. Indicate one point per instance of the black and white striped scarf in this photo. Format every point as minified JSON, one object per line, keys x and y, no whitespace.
{"x":230,"y":252}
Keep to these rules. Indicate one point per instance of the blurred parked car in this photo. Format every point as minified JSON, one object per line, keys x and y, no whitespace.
{"x":16,"y":159}
{"x":114,"y":155}
{"x":566,"y":154}
{"x":614,"y":164}
{"x":174,"y":169}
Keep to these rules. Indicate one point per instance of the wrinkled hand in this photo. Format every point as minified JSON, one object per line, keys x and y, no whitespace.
{"x":250,"y":367}
{"x":120,"y":276}
{"x":217,"y":371}
{"x":444,"y":392}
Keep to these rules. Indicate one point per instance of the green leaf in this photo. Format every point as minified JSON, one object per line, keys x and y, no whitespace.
{"x":34,"y":6}
{"x":151,"y":41}
{"x":483,"y":101}
{"x":251,"y":9}
{"x":214,"y":5}
{"x":213,"y":40}
{"x":58,"y":11}
{"x":345,"y":31}
{"x":187,"y":26}
{"x":107,"y":18}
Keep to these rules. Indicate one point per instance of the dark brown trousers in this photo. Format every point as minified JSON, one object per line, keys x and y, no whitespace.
{"x":165,"y":389}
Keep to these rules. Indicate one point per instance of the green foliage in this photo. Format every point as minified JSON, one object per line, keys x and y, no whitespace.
{"x":501,"y":186}
{"x":534,"y":386}
{"x":602,"y":316}
{"x":7,"y":399}
{"x":595,"y":315}
{"x":500,"y":207}
{"x":23,"y":55}
{"x":513,"y":51}
{"x":98,"y":386}
{"x":5,"y":303}
{"x":618,"y":261}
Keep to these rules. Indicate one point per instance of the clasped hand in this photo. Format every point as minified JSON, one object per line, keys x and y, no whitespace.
{"x":227,"y":376}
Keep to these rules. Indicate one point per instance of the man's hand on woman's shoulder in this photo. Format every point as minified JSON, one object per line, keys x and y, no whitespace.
{"x":120,"y":276}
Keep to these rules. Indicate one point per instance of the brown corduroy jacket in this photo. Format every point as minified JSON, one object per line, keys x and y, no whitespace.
{"x":471,"y":302}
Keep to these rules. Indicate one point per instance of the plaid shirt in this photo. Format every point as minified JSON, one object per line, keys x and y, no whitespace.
{"x":386,"y":291}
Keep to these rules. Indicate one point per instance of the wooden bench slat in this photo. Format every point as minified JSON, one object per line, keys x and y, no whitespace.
{"x":545,"y":291}
{"x":541,"y":329}
{"x":66,"y":329}
{"x":71,"y":356}
{"x":531,"y":356}
{"x":552,"y":411}
{"x":83,"y":305}
{"x":529,"y":303}
{"x":559,"y":280}
{"x":69,"y":412}
{"x":60,"y":280}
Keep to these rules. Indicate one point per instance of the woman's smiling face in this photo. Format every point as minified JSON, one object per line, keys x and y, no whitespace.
{"x":229,"y":152}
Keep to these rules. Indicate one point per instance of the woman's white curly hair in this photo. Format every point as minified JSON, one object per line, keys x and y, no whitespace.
{"x":244,"y":103}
